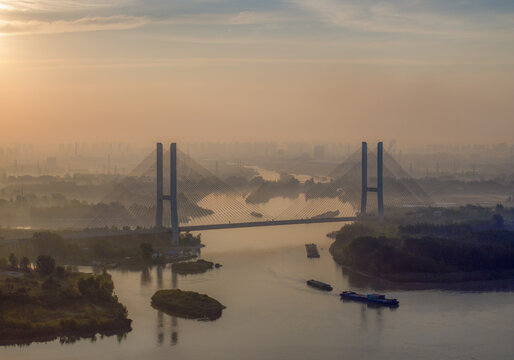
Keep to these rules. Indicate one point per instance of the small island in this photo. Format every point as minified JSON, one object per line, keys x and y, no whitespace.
{"x":56,"y":302}
{"x":192,"y":267}
{"x":188,"y":304}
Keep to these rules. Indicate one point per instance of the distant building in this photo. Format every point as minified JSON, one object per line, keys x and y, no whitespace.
{"x":319,"y":151}
{"x":51,"y":162}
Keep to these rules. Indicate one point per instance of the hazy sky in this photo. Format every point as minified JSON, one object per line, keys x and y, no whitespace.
{"x":237,"y":70}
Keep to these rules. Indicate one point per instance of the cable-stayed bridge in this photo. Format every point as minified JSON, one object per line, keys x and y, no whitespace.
{"x":193,"y":198}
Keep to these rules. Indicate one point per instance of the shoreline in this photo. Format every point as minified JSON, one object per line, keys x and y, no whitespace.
{"x":503,"y":284}
{"x":69,"y":335}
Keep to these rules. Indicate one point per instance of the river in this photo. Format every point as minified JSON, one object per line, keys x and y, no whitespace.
{"x":272,"y":314}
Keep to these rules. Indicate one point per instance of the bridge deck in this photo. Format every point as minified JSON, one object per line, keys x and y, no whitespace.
{"x":265,"y":223}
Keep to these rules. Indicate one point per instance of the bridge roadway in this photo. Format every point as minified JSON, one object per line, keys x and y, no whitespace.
{"x":265,"y":223}
{"x":109,"y":233}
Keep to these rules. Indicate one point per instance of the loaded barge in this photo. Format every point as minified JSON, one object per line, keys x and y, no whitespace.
{"x":377,"y":299}
{"x":319,"y":285}
{"x":312,"y":251}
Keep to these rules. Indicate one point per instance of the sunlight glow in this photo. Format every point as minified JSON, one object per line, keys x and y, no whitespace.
{"x":4,"y":6}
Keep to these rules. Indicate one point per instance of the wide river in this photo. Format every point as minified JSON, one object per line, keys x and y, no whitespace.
{"x":272,"y":314}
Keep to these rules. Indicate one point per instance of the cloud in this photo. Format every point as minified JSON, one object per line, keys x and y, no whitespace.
{"x":115,"y":22}
{"x":396,"y":17}
{"x":421,"y":17}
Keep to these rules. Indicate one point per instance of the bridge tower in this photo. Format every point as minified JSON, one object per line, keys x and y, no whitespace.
{"x":379,"y":189}
{"x":172,"y":197}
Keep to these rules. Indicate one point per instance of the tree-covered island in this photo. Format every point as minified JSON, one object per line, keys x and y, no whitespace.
{"x":188,"y":304}
{"x":49,"y":302}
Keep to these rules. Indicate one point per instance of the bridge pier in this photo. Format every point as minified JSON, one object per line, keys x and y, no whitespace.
{"x":159,"y":204}
{"x":380,"y":180}
{"x":175,"y":234}
{"x":364,"y":164}
{"x":172,"y":197}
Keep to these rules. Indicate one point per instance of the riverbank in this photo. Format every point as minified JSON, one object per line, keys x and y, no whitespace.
{"x":119,"y":249}
{"x":360,"y":279}
{"x":470,"y":251}
{"x":192,"y":267}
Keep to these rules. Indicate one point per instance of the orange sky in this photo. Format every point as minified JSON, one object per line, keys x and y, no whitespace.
{"x":262,"y":76}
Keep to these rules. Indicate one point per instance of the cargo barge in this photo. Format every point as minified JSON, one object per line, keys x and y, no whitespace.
{"x":319,"y":285}
{"x":312,"y":250}
{"x":377,"y":299}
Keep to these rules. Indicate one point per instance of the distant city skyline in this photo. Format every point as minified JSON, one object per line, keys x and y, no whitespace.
{"x":233,"y":70}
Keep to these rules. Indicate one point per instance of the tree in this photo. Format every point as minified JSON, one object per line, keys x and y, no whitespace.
{"x":498,"y":220}
{"x":13,"y":261}
{"x":45,"y":264}
{"x":25,"y":264}
{"x":97,"y":288}
{"x":146,"y":251}
{"x":60,"y":271}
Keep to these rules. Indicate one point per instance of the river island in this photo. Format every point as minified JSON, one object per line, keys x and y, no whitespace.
{"x":188,"y":304}
{"x":56,"y":302}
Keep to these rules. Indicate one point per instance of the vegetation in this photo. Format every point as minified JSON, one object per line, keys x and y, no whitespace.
{"x":187,"y":304}
{"x":45,"y":264}
{"x":146,"y":251}
{"x":43,"y":305}
{"x":192,"y":267}
{"x":478,"y":249}
{"x":133,"y":250}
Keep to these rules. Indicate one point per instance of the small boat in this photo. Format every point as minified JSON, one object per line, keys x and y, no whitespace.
{"x":378,"y":299}
{"x":312,"y":251}
{"x":319,"y":285}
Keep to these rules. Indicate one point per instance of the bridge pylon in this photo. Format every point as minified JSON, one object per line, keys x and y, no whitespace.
{"x":379,"y":189}
{"x":172,"y":197}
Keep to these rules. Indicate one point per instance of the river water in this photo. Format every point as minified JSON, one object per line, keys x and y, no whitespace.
{"x":272,"y":314}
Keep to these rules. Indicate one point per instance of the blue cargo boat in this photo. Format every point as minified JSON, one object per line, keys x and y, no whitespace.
{"x":378,"y":299}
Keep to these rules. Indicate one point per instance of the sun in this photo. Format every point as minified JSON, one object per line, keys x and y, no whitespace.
{"x":5,"y":6}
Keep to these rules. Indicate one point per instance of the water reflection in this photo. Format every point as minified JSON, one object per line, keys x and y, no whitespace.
{"x":160,"y":328}
{"x":159,"y":269}
{"x":174,"y":280}
{"x":146,"y":276}
{"x":174,"y":331}
{"x":161,"y":331}
{"x":360,"y":281}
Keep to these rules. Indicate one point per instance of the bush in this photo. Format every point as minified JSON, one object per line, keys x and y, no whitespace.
{"x":60,"y":271}
{"x":13,"y":261}
{"x":146,"y":251}
{"x":45,"y":264}
{"x":69,"y":324}
{"x":96,"y":288}
{"x":50,"y":284}
{"x":25,"y":264}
